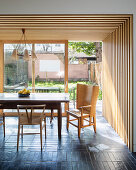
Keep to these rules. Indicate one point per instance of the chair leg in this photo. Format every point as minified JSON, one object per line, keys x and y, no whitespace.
{"x":41,"y":134}
{"x":82,"y":121}
{"x":22,"y":131}
{"x":67,"y":120}
{"x":18,"y":136}
{"x":79,"y":127}
{"x":94,"y":120}
{"x":51,"y":116}
{"x":4,"y":124}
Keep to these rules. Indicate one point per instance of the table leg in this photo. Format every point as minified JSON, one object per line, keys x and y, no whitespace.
{"x":51,"y":116}
{"x":59,"y":121}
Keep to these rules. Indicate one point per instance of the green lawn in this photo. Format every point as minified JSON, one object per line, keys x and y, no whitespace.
{"x":60,"y":84}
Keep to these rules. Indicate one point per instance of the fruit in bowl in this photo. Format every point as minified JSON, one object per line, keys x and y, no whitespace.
{"x":24,"y":93}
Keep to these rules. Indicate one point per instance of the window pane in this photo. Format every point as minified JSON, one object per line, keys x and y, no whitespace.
{"x":49,"y":68}
{"x":15,"y":71}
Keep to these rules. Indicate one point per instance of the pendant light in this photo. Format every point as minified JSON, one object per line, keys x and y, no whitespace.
{"x":14,"y":55}
{"x":26,"y":56}
{"x":26,"y":53}
{"x":34,"y":57}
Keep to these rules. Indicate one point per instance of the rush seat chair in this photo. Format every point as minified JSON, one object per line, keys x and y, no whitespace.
{"x":85,"y":112}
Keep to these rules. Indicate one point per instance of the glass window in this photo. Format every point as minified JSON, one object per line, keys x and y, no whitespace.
{"x":16,"y":74}
{"x":49,"y":68}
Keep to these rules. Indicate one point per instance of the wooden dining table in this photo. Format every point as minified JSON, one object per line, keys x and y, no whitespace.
{"x":52,"y":101}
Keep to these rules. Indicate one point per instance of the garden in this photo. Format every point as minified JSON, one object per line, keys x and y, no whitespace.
{"x":71,"y":86}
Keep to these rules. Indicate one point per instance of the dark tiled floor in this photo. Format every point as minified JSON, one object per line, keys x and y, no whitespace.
{"x":103,"y":150}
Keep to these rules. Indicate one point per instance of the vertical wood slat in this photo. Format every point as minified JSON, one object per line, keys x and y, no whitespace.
{"x":114,"y":78}
{"x":131,"y":83}
{"x":121,"y":79}
{"x":125,"y":85}
{"x":66,"y":67}
{"x":33,"y":71}
{"x":116,"y":87}
{"x":66,"y":73}
{"x":117,"y":81}
{"x":103,"y":75}
{"x":128,"y":85}
{"x":110,"y":74}
{"x":1,"y":67}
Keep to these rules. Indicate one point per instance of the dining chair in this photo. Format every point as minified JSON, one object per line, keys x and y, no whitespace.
{"x":2,"y":120}
{"x":27,"y":116}
{"x":85,"y":112}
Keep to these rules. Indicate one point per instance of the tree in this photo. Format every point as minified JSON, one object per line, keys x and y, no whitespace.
{"x":89,"y":48}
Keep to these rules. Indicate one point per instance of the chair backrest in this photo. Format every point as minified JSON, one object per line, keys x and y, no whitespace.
{"x":1,"y":111}
{"x":29,"y":111}
{"x":87,"y":95}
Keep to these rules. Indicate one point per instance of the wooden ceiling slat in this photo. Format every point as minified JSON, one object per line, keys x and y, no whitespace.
{"x":60,"y":28}
{"x":68,"y":16}
{"x":61,"y":19}
{"x":58,"y":25}
{"x":67,"y":23}
{"x":75,"y":18}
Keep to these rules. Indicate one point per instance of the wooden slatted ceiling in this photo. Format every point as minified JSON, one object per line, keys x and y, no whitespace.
{"x":79,"y":35}
{"x":117,"y":35}
{"x":64,"y":27}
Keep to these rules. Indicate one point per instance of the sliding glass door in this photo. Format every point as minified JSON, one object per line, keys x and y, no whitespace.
{"x":48,"y":72}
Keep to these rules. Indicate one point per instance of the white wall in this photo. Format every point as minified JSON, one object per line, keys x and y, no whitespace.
{"x":76,"y":7}
{"x":67,"y":6}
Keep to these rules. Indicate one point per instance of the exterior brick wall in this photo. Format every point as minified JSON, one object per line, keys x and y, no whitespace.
{"x":75,"y":71}
{"x":78,"y":71}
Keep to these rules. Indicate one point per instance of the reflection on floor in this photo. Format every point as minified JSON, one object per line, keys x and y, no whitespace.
{"x":103,"y":150}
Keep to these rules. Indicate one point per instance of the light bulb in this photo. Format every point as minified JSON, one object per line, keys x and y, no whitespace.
{"x":26,"y":55}
{"x":34,"y":57}
{"x":14,"y":55}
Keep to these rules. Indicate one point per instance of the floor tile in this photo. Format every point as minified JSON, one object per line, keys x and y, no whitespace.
{"x":101,"y":151}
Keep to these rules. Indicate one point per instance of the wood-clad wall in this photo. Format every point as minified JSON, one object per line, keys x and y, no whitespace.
{"x":117,"y":81}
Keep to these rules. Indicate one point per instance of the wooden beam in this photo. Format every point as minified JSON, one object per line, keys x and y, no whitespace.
{"x":66,"y":66}
{"x":33,"y":71}
{"x":1,"y":67}
{"x":66,"y":74}
{"x":33,"y":41}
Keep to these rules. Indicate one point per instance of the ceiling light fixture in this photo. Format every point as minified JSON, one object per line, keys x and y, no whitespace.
{"x":26,"y":56}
